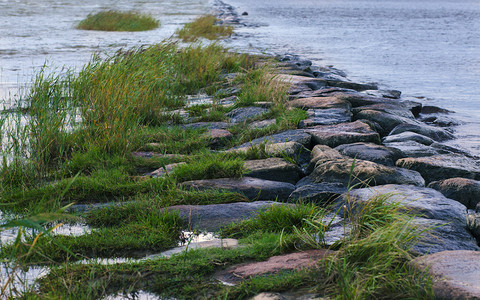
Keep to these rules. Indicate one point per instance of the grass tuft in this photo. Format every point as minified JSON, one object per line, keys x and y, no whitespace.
{"x":112,"y":20}
{"x":204,"y":27}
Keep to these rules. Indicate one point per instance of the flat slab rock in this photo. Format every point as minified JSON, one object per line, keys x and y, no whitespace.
{"x":326,"y":117}
{"x":213,"y":217}
{"x":439,"y":167}
{"x":386,"y":120}
{"x":412,"y":148}
{"x":320,"y":103}
{"x":456,"y":273}
{"x":435,"y":133}
{"x":275,"y":168}
{"x":206,"y":125}
{"x":294,"y":135}
{"x":465,"y":191}
{"x":242,"y":114}
{"x":364,"y":172}
{"x":372,"y":152}
{"x":408,"y":136}
{"x":275,"y":264}
{"x":252,"y":188}
{"x":321,"y":193}
{"x":345,"y":133}
{"x":360,"y":99}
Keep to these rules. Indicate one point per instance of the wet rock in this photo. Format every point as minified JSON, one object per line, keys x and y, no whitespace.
{"x":413,"y":149}
{"x":213,"y":217}
{"x":455,"y":273}
{"x":320,"y":103}
{"x":300,"y":83}
{"x":386,"y":120}
{"x":216,"y":243}
{"x":241,"y":114}
{"x":324,"y":193}
{"x":408,"y":136}
{"x":473,"y":224}
{"x":392,"y":94}
{"x":324,"y":92}
{"x":261,"y":124}
{"x":275,"y":264}
{"x":446,"y":149}
{"x":428,"y":109}
{"x":363,"y":173}
{"x":218,"y":137}
{"x":163,"y":171}
{"x":437,"y":134}
{"x":276,"y":169}
{"x":298,"y":136}
{"x":372,"y":152}
{"x":387,"y":108}
{"x":439,"y":167}
{"x":252,"y":188}
{"x":206,"y":125}
{"x":326,"y":117}
{"x":441,"y":121}
{"x":465,"y":191}
{"x":345,"y":133}
{"x":360,"y":99}
{"x":322,"y":153}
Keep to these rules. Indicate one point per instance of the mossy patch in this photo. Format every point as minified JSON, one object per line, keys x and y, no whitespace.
{"x":112,"y":20}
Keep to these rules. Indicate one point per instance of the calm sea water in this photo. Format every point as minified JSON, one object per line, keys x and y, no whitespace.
{"x":428,"y":48}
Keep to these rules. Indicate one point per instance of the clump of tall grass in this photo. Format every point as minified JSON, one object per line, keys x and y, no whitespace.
{"x":205,"y":27}
{"x":112,"y":20}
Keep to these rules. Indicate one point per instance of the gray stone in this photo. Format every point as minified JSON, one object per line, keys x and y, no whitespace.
{"x":408,"y":136}
{"x":456,"y":273}
{"x":164,"y":170}
{"x":300,"y":83}
{"x":345,"y":133}
{"x":320,"y":193}
{"x":291,"y":150}
{"x":372,"y":152}
{"x":242,"y":114}
{"x":473,"y":224}
{"x":206,"y":125}
{"x":413,"y":149}
{"x":439,"y":167}
{"x":428,"y":109}
{"x":392,"y":94}
{"x":320,"y":103}
{"x":362,"y":172}
{"x":437,"y":134}
{"x":213,"y":217}
{"x":392,"y":109}
{"x":326,"y":117}
{"x":386,"y":120}
{"x":261,"y":124}
{"x":276,"y":169}
{"x":359,"y":99}
{"x":252,"y":188}
{"x":322,"y":153}
{"x":465,"y":191}
{"x":294,"y":135}
{"x":442,"y":121}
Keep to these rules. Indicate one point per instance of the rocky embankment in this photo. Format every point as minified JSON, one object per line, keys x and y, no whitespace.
{"x":367,"y":141}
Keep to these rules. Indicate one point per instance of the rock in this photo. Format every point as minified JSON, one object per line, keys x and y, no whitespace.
{"x":465,"y":191}
{"x":324,"y":92}
{"x":218,"y":137}
{"x":386,"y":120}
{"x":216,"y":243}
{"x":392,"y":94}
{"x":413,"y":149}
{"x":473,"y":224}
{"x":358,"y":99}
{"x":456,"y":273}
{"x":261,"y":124}
{"x":145,"y":154}
{"x":213,"y":217}
{"x":408,"y":136}
{"x":252,"y":188}
{"x":345,"y":133}
{"x":275,"y":264}
{"x":164,"y":170}
{"x":241,"y":114}
{"x":300,"y":83}
{"x":322,"y":153}
{"x":291,"y":150}
{"x":439,"y":167}
{"x":363,"y":173}
{"x":294,"y":135}
{"x":428,"y":109}
{"x":207,"y":125}
{"x":326,"y":117}
{"x":372,"y":152}
{"x":276,"y":169}
{"x":434,"y":133}
{"x":320,"y":103}
{"x":320,"y":193}
{"x":442,"y":121}
{"x":446,"y":149}
{"x":387,"y":108}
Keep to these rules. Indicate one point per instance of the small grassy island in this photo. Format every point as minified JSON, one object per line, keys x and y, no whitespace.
{"x":204,"y":27}
{"x":118,"y":21}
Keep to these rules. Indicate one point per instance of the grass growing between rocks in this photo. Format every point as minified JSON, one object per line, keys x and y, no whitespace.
{"x":112,"y":20}
{"x":204,"y":27}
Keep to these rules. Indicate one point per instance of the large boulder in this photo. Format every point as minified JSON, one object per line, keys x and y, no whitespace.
{"x":408,"y":136}
{"x":439,"y":167}
{"x":354,"y":172}
{"x":326,"y":117}
{"x":455,"y":273}
{"x":291,"y":150}
{"x":320,"y":193}
{"x":275,"y":168}
{"x":435,"y":133}
{"x":320,"y":103}
{"x":345,"y":133}
{"x":465,"y":191}
{"x":386,"y":120}
{"x":242,"y":114}
{"x":392,"y":109}
{"x":252,"y":188}
{"x":294,"y":135}
{"x":372,"y":152}
{"x":301,"y":83}
{"x":322,"y":153}
{"x":359,"y":99}
{"x":412,"y":148}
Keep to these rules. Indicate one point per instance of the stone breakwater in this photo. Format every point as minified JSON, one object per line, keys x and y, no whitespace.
{"x":370,"y":142}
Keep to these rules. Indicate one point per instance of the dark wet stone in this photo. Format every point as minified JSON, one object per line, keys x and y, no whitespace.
{"x":292,"y":150}
{"x":392,"y":94}
{"x":320,"y":193}
{"x":241,"y":114}
{"x":392,"y":109}
{"x":386,"y":120}
{"x":439,"y":167}
{"x":442,"y":121}
{"x":428,"y":109}
{"x":295,"y":135}
{"x":364,"y":172}
{"x":324,"y":92}
{"x":207,"y":125}
{"x":437,"y":134}
{"x":326,"y":117}
{"x":300,"y":83}
{"x":252,"y":188}
{"x":320,"y":103}
{"x":455,"y":273}
{"x":465,"y":191}
{"x":360,"y":99}
{"x":446,"y":149}
{"x":276,"y":169}
{"x":345,"y":133}
{"x":408,"y":136}
{"x":372,"y":152}
{"x":213,"y":217}
{"x":413,"y":149}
